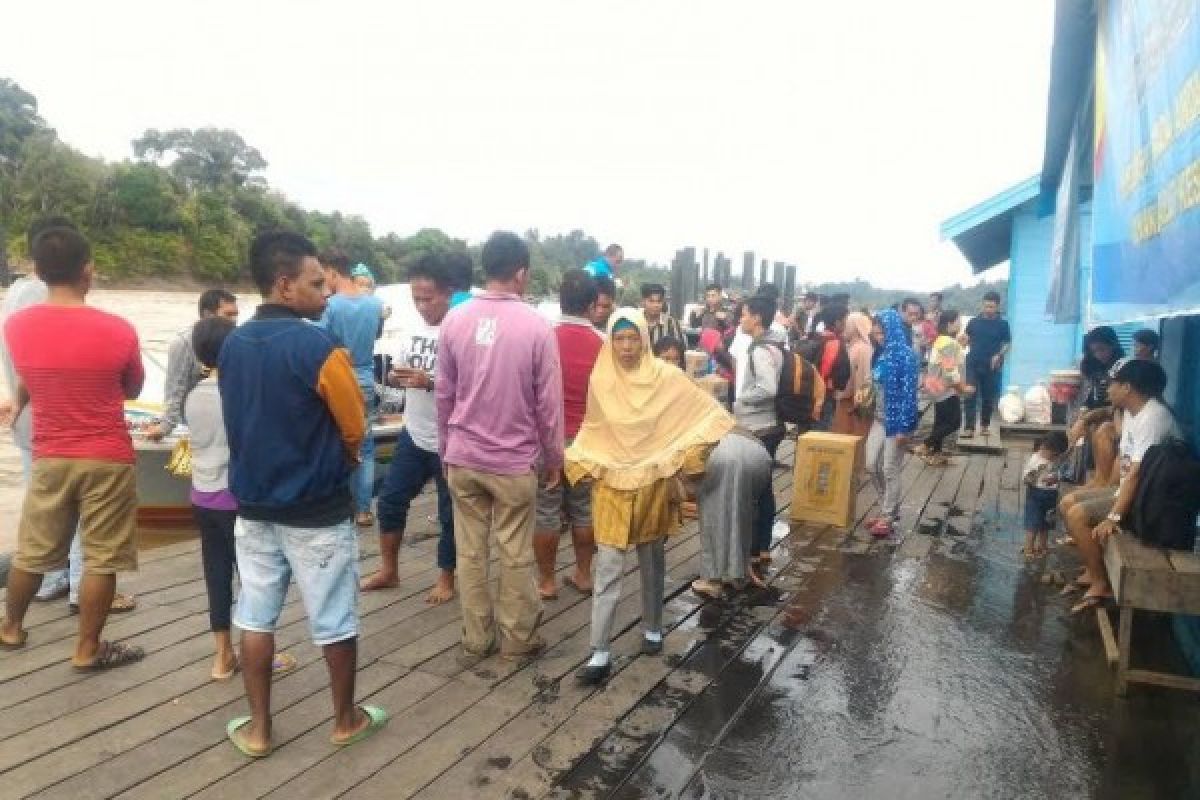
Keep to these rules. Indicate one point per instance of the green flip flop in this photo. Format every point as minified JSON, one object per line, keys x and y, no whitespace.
{"x":378,"y":718}
{"x":231,"y":730}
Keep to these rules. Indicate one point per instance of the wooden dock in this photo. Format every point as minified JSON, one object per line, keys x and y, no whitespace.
{"x":989,"y":441}
{"x":156,"y":729}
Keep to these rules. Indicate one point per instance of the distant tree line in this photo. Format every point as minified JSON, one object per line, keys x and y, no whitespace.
{"x":965,"y":299}
{"x":188,"y":202}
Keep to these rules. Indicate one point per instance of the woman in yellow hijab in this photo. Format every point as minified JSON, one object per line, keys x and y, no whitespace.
{"x":646,"y":425}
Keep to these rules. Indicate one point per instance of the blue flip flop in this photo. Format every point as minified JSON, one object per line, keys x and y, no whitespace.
{"x":378,"y":718}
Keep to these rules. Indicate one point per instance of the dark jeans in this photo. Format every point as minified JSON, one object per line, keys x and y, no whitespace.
{"x":764,"y":520}
{"x":827,"y":411}
{"x":947,"y":417}
{"x":772,"y":439}
{"x":987,"y":391}
{"x":410,"y":470}
{"x":764,"y":513}
{"x":219,"y":556}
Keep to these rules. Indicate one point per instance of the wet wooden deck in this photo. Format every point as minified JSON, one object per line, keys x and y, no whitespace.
{"x":156,"y":729}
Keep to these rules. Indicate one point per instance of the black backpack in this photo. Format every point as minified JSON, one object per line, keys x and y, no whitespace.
{"x":801,"y":389}
{"x":1168,"y":497}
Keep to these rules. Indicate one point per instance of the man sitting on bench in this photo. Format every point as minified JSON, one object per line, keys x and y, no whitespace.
{"x":1092,"y":515}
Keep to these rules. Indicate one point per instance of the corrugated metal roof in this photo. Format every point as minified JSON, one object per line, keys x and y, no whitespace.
{"x":984,"y":232}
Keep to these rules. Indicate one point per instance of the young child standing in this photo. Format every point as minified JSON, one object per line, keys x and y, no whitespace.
{"x":213,"y":505}
{"x":1041,"y":476}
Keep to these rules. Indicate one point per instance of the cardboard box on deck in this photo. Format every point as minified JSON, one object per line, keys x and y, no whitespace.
{"x":823,"y":490}
{"x":695,"y":363}
{"x":715,"y":385}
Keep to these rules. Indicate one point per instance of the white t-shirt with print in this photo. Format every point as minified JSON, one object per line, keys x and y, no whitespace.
{"x":1141,"y":431}
{"x":418,"y":350}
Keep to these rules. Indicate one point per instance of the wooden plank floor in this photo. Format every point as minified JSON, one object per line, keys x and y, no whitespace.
{"x":156,"y":729}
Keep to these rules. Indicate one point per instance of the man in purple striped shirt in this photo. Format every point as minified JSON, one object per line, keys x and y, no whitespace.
{"x":499,"y":402}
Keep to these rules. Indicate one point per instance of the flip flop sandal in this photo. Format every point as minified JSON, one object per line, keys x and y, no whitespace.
{"x":282,"y":664}
{"x":377,"y":719}
{"x":17,"y":645}
{"x":1091,"y":601}
{"x":111,"y":656}
{"x":231,"y":733}
{"x":570,"y":581}
{"x":224,"y":676}
{"x":122,"y":603}
{"x":704,"y":589}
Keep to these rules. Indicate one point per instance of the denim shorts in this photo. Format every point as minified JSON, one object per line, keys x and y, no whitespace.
{"x":324,"y":562}
{"x":573,"y":502}
{"x":1040,"y":505}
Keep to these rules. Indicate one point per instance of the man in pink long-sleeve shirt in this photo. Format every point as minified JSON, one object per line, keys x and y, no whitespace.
{"x":499,"y":402}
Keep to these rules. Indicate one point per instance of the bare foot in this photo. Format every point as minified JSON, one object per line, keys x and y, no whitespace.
{"x":379,"y":580}
{"x":442,"y":591}
{"x":548,"y":588}
{"x":581,"y":581}
{"x":754,"y":578}
{"x":224,"y":666}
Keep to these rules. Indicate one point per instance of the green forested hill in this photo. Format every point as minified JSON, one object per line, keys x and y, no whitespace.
{"x":185,"y":205}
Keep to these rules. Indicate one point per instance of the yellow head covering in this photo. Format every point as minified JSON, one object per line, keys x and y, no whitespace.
{"x":640,"y":423}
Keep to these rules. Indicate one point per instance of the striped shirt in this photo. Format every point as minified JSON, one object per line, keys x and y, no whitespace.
{"x":78,"y":364}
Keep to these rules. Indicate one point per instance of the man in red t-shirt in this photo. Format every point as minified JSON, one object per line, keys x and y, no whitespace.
{"x":75,"y":366}
{"x":578,"y":347}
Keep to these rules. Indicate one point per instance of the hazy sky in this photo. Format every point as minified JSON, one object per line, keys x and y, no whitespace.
{"x":833,"y":135}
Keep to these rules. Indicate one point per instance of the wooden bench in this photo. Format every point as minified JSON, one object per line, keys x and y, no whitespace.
{"x":1146,"y":579}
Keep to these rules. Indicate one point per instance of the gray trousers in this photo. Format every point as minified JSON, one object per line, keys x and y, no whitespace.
{"x":884,"y":458}
{"x":610,"y":567}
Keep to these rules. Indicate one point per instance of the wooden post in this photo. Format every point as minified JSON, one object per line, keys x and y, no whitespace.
{"x":721,"y":271}
{"x":1124,"y":640}
{"x":748,"y":271}
{"x":678,"y":299}
{"x":690,"y":269}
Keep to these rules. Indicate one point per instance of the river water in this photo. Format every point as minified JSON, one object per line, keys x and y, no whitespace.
{"x":158,"y":316}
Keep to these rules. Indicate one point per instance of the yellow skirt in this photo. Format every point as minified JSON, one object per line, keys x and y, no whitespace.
{"x":624,"y":519}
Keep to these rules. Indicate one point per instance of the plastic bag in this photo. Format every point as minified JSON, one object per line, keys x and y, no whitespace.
{"x":1012,"y":409}
{"x":1038,"y":406}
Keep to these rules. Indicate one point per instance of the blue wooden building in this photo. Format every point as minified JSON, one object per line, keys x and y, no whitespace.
{"x":1016,"y":226}
{"x":1109,"y":231}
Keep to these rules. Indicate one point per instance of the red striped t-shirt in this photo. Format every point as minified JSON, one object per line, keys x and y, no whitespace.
{"x":578,"y":347}
{"x":78,"y":364}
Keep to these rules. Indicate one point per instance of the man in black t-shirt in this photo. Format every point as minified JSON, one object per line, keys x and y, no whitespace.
{"x":989,"y":339}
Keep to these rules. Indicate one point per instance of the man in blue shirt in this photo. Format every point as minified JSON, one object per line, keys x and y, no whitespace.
{"x":461,"y":272}
{"x":607,"y":265}
{"x":354,"y":317}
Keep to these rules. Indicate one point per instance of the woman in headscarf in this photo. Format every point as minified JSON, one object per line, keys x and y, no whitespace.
{"x":647,"y":425}
{"x":1098,"y":423}
{"x":860,"y":350}
{"x":896,"y":373}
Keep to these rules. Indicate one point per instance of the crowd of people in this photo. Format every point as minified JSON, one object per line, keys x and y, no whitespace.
{"x":588,"y":427}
